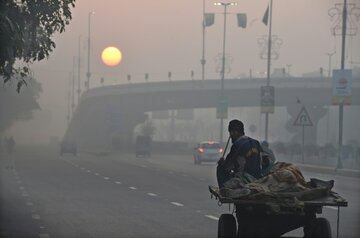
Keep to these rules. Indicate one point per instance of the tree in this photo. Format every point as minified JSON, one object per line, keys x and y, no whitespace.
{"x":26,"y":29}
{"x":147,"y":128}
{"x":15,"y":107}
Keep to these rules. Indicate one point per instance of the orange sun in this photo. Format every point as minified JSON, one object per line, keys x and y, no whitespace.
{"x":111,"y":56}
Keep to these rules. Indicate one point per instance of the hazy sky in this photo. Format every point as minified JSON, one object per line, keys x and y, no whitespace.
{"x":158,"y":36}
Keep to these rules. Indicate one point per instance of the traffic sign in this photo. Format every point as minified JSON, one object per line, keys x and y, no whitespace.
{"x":342,"y":84}
{"x":303,"y":118}
{"x":222,"y":108}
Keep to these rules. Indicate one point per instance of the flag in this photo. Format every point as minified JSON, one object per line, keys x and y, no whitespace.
{"x":241,"y":19}
{"x":209,"y":19}
{"x":266,"y":16}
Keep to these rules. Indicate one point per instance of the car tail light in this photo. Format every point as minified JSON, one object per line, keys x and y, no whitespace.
{"x":201,"y":150}
{"x":221,"y":150}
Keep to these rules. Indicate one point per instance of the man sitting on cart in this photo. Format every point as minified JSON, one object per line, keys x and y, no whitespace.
{"x":243,"y":164}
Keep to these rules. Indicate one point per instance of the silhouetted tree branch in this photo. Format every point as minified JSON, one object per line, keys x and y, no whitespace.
{"x":26,"y":29}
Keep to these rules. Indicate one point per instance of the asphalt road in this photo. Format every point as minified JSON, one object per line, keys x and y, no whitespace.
{"x":46,"y":195}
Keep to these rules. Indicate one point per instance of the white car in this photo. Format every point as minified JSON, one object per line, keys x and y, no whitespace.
{"x":207,"y":151}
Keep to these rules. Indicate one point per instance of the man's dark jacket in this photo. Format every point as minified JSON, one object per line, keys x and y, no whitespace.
{"x":249,"y":149}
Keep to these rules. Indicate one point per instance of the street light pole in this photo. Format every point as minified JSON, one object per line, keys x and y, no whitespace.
{"x":225,"y":5}
{"x":73,"y":87}
{"x":69,"y":101}
{"x":341,"y":103}
{"x":268,"y":69}
{"x":203,"y":61}
{"x":288,"y":69}
{"x":79,"y":76}
{"x":88,"y":74}
{"x":330,"y":55}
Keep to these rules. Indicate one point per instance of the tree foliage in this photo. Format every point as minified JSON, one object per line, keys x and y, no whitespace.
{"x":16,"y":107}
{"x":147,"y":128}
{"x":26,"y":29}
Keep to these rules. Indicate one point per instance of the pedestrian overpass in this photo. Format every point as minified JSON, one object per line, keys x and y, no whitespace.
{"x":117,"y":109}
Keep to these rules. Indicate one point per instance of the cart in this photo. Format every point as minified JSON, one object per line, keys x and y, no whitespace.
{"x":271,"y":218}
{"x":143,"y":146}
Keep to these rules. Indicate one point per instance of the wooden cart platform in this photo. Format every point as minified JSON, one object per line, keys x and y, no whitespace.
{"x":273,"y":217}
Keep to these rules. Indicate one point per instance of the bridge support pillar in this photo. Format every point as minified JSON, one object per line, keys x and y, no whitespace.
{"x":124,"y":139}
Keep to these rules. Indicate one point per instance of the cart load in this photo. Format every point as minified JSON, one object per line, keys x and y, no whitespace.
{"x":275,"y":204}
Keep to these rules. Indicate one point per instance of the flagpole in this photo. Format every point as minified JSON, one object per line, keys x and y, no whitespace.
{"x":203,"y":62}
{"x":268,"y":69}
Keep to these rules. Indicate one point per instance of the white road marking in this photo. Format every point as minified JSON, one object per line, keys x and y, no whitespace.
{"x":97,"y":174}
{"x":89,"y":171}
{"x":333,"y":208}
{"x":82,"y":168}
{"x":25,"y":194}
{"x":35,"y":216}
{"x":143,"y":166}
{"x":177,"y":204}
{"x":118,"y":182}
{"x":212,"y":217}
{"x":21,"y":188}
{"x":42,"y":227}
{"x":132,"y":188}
{"x":106,"y":178}
{"x":152,"y":194}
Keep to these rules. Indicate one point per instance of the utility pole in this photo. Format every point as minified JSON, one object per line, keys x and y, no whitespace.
{"x":268,"y":69}
{"x":342,"y":13}
{"x":225,"y":5}
{"x":79,"y":75}
{"x":88,"y":74}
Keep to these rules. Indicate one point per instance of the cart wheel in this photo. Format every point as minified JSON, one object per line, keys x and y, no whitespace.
{"x":227,"y":226}
{"x":321,"y":228}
